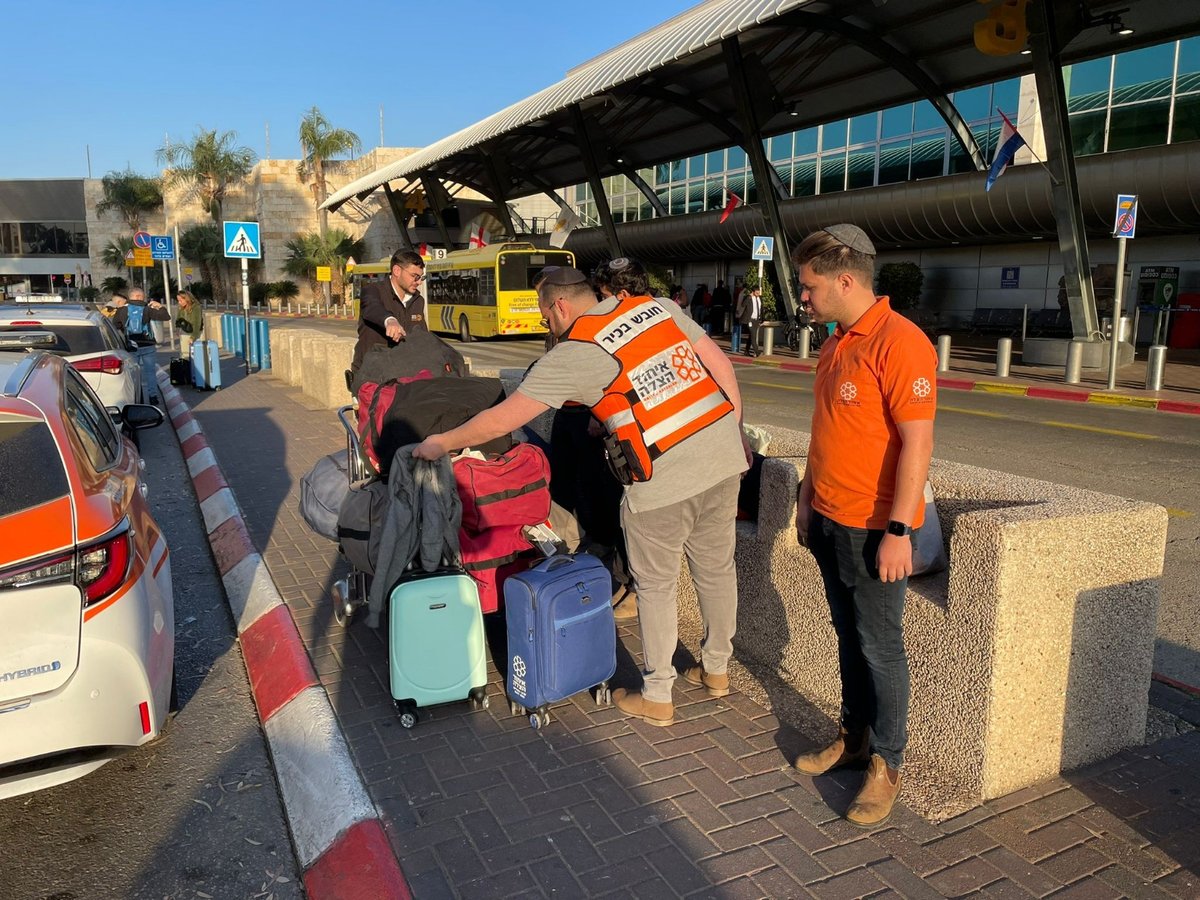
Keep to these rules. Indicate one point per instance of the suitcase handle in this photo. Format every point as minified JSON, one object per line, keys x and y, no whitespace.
{"x":557,"y":562}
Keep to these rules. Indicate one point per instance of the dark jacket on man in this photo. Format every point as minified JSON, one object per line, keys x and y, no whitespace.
{"x":379,"y":302}
{"x":143,"y":338}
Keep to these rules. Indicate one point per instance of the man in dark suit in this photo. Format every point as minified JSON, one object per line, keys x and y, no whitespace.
{"x":392,"y":308}
{"x":749,"y":314}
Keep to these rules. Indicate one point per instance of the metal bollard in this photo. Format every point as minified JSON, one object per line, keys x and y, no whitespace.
{"x":805,"y":343}
{"x":1156,"y":362}
{"x":768,"y":339}
{"x":1003,"y":356}
{"x":1074,"y":369}
{"x":943,"y":351}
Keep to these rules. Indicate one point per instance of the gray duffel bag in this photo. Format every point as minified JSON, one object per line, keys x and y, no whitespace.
{"x":322,"y":491}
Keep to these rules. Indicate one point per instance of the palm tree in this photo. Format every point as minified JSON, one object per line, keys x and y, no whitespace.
{"x":130,"y":195}
{"x":113,"y":255}
{"x":113,"y":283}
{"x":202,"y":245}
{"x":312,"y":249}
{"x":206,"y":166}
{"x":320,"y":142}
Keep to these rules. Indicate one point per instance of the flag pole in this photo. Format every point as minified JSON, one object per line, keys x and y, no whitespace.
{"x":1042,"y":162}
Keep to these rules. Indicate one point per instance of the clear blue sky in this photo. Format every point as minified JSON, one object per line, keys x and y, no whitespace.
{"x":118,"y":76}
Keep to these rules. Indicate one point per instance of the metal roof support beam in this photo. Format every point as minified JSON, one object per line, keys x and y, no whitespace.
{"x":400,"y":213}
{"x":439,"y":199}
{"x":594,"y":181}
{"x":700,"y":111}
{"x":499,"y":197}
{"x":761,"y":167}
{"x":1047,"y":43}
{"x":648,"y":192}
{"x":886,"y":53}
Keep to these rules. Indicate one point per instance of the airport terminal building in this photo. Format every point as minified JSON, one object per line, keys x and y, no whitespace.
{"x":656,"y":126}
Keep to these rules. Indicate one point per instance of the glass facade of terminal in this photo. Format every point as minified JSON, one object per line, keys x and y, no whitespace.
{"x":41,"y":239}
{"x":1138,"y":99}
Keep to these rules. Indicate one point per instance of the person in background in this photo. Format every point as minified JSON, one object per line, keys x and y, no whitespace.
{"x":679,"y":432}
{"x":721,"y":303}
{"x":190,"y":322}
{"x":862,"y":499}
{"x":391,"y":308}
{"x":134,"y":316}
{"x":749,"y":314}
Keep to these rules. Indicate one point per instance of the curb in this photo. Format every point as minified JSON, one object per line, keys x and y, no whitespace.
{"x":336,"y":830}
{"x":1013,"y":390}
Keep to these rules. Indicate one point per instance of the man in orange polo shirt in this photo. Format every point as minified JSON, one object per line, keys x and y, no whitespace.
{"x":861,"y":500}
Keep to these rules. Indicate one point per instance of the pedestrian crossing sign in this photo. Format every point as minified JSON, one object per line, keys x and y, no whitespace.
{"x":241,"y":240}
{"x":762,"y":247}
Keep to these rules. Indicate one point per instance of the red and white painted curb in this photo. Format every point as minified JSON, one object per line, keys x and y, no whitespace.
{"x":1105,"y":398}
{"x":338,"y":835}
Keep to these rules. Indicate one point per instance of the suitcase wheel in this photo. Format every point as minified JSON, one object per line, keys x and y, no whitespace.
{"x":539,"y":718}
{"x":516,"y":708}
{"x":603,"y":694}
{"x":408,"y":715}
{"x":479,"y":698}
{"x":343,"y":604}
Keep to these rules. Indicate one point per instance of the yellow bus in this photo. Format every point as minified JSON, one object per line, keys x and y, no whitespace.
{"x":479,"y":293}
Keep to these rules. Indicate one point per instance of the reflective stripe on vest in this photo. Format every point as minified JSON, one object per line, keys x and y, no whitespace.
{"x":662,"y":394}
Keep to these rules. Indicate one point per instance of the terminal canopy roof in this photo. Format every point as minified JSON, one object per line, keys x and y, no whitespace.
{"x":666,"y":94}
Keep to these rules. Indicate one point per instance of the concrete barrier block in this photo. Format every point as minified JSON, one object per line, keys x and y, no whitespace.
{"x":212,"y":328}
{"x":331,"y":375}
{"x":295,"y":339}
{"x":1032,"y":655}
{"x":281,"y":354}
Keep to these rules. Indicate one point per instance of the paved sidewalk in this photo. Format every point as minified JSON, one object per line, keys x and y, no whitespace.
{"x":477,"y":804}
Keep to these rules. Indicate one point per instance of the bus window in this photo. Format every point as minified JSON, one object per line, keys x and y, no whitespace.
{"x":517,"y":270}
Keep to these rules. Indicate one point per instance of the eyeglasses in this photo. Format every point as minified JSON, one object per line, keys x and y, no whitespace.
{"x":416,"y":275}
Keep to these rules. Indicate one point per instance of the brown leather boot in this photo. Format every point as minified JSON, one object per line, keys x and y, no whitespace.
{"x":714,"y":685}
{"x":877,"y":796}
{"x":846,"y":750}
{"x":632,"y":703}
{"x":625,"y":605}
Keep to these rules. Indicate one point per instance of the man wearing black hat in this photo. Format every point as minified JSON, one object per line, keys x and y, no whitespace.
{"x":669,"y":401}
{"x":861,"y":499}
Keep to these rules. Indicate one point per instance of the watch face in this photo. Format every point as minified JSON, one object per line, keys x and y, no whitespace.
{"x":898,"y":528}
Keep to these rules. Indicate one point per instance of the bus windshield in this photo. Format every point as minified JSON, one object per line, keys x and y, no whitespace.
{"x":518,"y":270}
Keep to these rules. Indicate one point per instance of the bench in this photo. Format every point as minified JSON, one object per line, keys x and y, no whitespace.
{"x":1030,"y":656}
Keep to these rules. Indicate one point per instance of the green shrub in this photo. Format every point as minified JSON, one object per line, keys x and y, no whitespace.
{"x":259,"y":293}
{"x":89,"y":294}
{"x":901,"y":282}
{"x":283,"y":290}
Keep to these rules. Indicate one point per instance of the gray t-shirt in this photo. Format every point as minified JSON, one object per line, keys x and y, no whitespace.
{"x":579,"y":372}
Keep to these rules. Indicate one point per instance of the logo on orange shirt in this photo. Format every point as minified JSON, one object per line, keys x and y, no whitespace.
{"x":848,"y":393}
{"x":922,"y":388}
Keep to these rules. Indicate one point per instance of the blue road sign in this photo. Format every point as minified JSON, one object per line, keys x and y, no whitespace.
{"x":241,"y":240}
{"x":1126,"y":221}
{"x":762,"y":247}
{"x":162,"y":246}
{"x":1010,"y":276}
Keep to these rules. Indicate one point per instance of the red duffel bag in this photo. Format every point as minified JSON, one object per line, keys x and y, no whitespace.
{"x":510,"y":489}
{"x":491,"y":556}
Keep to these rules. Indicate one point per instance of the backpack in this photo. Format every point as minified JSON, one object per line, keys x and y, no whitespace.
{"x":135,"y":319}
{"x":322,"y":492}
{"x":360,"y":523}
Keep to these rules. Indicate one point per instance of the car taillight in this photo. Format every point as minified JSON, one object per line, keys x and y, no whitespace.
{"x":50,"y":570}
{"x":29,"y":324}
{"x":104,"y":565}
{"x":108,"y":364}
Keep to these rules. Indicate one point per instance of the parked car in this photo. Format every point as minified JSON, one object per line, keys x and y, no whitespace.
{"x":86,"y":339}
{"x":87,"y":621}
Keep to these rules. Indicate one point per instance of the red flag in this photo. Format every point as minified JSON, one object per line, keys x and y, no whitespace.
{"x":423,"y":251}
{"x":734,"y":200}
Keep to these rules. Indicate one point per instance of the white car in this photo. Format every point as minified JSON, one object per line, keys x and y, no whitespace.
{"x":86,"y":339}
{"x":87,"y":614}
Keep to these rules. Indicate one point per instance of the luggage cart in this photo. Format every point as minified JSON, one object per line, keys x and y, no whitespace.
{"x":350,"y":593}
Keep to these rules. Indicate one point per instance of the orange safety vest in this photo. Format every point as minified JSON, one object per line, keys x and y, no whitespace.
{"x":662,"y":394}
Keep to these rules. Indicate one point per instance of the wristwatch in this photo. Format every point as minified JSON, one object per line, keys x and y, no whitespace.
{"x":898,"y":528}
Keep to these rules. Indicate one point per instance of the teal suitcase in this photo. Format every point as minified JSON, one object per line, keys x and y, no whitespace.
{"x":436,"y":647}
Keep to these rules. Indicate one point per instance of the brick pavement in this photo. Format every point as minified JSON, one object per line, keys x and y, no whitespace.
{"x":477,"y":804}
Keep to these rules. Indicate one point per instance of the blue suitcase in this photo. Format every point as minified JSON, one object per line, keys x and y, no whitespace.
{"x":437,"y":652}
{"x":561,"y":635}
{"x":206,"y":366}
